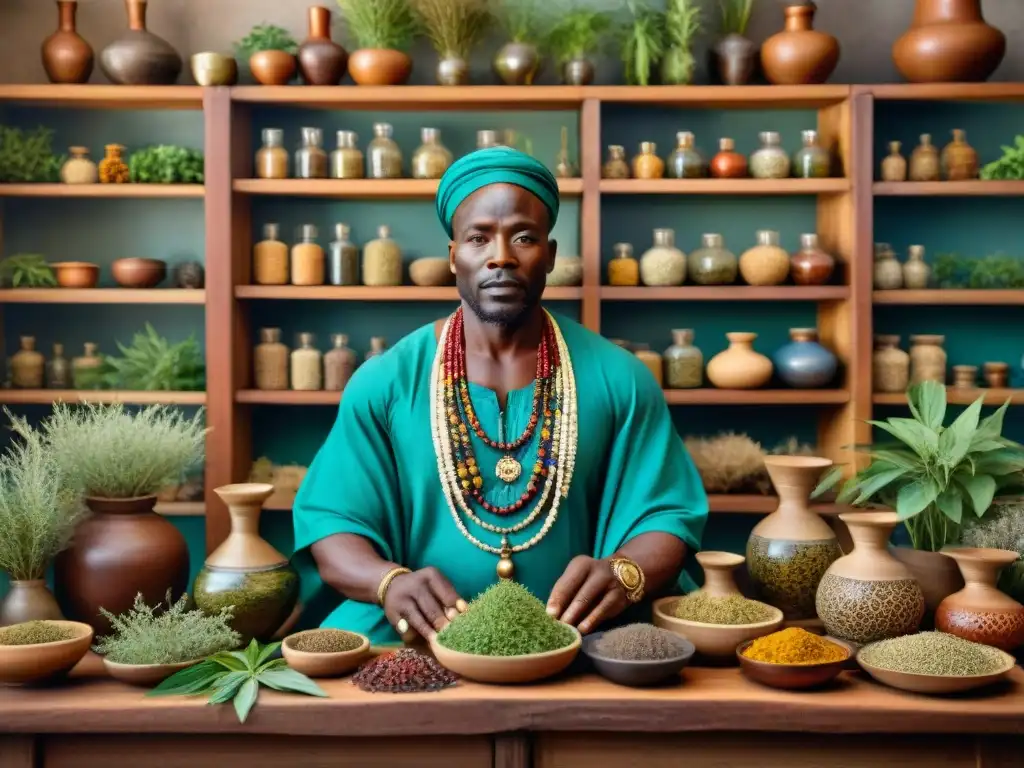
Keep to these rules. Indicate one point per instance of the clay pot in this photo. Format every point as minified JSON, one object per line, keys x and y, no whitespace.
{"x":379,"y":66}
{"x":789,"y":551}
{"x":139,"y":57}
{"x":143,"y":675}
{"x":980,"y":612}
{"x":739,"y":366}
{"x":431,"y":271}
{"x":517,"y":63}
{"x":138,"y":272}
{"x":949,"y":42}
{"x":937,"y":575}
{"x":211,"y":69}
{"x":805,"y":363}
{"x":869,"y":595}
{"x":123,"y":549}
{"x":719,"y":569}
{"x":272,"y":67}
{"x":734,"y":57}
{"x":76,"y":274}
{"x":799,"y":54}
{"x":28,"y":601}
{"x":321,"y":60}
{"x":67,"y":58}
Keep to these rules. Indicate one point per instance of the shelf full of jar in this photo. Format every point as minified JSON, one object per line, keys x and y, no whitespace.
{"x":102,"y":296}
{"x":378,"y":293}
{"x":408,"y":189}
{"x":941,"y":296}
{"x":970,"y":188}
{"x":725,"y":293}
{"x":103,"y":190}
{"x":763,"y":187}
{"x":959,"y":396}
{"x":47,"y":396}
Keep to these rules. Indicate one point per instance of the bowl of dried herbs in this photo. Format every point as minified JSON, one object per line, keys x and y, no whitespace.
{"x":638,"y":654}
{"x":716,"y":625}
{"x":40,"y":651}
{"x":325,"y":652}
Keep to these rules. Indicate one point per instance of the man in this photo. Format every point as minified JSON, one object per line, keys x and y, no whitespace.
{"x":507,"y":443}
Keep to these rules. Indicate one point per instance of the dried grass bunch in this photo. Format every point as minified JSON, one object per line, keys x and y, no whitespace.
{"x":453,"y":26}
{"x":732,"y":463}
{"x":1002,"y":528}
{"x":380,"y":24}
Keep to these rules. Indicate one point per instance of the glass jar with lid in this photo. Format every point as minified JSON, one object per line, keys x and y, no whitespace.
{"x":663,"y":264}
{"x":486,"y":139}
{"x":647,"y":164}
{"x":432,"y":158}
{"x":712,"y":263}
{"x":616,"y":166}
{"x":270,"y":258}
{"x":623,"y":269}
{"x":310,"y":157}
{"x":888,"y":273}
{"x":272,"y":157}
{"x":684,"y":363}
{"x":812,"y":161}
{"x":770,"y":160}
{"x":685,"y":162}
{"x":383,"y":155}
{"x":306,"y":365}
{"x":307,"y":258}
{"x":343,"y":266}
{"x":347,"y":159}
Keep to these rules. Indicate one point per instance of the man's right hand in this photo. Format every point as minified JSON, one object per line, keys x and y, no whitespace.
{"x":425,"y":599}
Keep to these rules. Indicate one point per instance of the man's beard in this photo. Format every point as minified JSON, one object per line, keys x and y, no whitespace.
{"x":511,"y":316}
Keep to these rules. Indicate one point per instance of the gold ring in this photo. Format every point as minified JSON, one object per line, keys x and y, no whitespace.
{"x":402,"y":626}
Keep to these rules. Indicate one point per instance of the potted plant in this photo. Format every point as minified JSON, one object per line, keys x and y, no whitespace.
{"x":454,"y":28}
{"x":934,"y":476}
{"x":734,"y":55}
{"x":682,"y":24}
{"x":38,"y":514}
{"x":643,"y":42}
{"x":26,"y":270}
{"x":119,"y":460}
{"x":575,"y":37}
{"x":381,"y":31}
{"x":270,"y":51}
{"x":518,"y":61}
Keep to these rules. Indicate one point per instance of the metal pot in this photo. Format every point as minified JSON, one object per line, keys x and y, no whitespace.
{"x":452,"y":70}
{"x":517,"y":63}
{"x":734,"y":57}
{"x":578,"y":72}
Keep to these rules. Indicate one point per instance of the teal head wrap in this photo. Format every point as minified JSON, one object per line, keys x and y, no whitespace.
{"x":494,"y":165}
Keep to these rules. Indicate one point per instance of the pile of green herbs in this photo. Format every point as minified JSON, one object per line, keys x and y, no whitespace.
{"x":578,"y":33}
{"x":166,"y":164}
{"x":1009,"y":167}
{"x":150,"y":364}
{"x":265,"y":37}
{"x":381,"y":24}
{"x":26,"y":270}
{"x":28,"y":156}
{"x":992,"y":272}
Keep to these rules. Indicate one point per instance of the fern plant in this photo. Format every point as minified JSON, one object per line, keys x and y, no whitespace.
{"x":643,"y":42}
{"x":577,"y":33}
{"x":26,"y":270}
{"x":682,"y":25}
{"x":386,"y":24}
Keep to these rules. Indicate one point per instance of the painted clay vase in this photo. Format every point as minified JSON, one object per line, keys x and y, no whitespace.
{"x":789,"y":551}
{"x":28,"y":601}
{"x":949,"y":42}
{"x":936,"y":574}
{"x":321,"y":60}
{"x":67,"y":57}
{"x":122,"y":549}
{"x":805,"y":363}
{"x":139,"y":57}
{"x":799,"y":54}
{"x":980,"y":612}
{"x":245,"y":571}
{"x":739,"y":366}
{"x":379,"y":66}
{"x":273,"y":67}
{"x":719,"y":573}
{"x":869,"y":595}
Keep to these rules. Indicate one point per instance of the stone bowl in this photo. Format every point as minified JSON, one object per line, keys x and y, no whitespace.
{"x":431,"y":271}
{"x":717,"y":641}
{"x":504,"y":670}
{"x":935,"y":684}
{"x":76,"y":274}
{"x":137,"y":272}
{"x":324,"y":664}
{"x":42,"y":662}
{"x":636,"y":674}
{"x":213,"y":69}
{"x":792,"y":677}
{"x":144,"y":675}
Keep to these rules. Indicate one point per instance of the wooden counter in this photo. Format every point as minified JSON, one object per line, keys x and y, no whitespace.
{"x":714,"y":718}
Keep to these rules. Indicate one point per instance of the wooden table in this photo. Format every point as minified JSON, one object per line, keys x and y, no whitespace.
{"x":714,"y":719}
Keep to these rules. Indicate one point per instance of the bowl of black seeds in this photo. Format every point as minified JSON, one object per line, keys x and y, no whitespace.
{"x":325,"y":652}
{"x":638,"y":654}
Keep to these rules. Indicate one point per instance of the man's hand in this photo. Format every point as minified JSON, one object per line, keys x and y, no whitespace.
{"x":425,"y":599}
{"x":587,"y":594}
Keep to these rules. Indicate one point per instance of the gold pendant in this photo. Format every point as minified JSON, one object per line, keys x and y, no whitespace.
{"x":505,"y":568}
{"x":508,"y":469}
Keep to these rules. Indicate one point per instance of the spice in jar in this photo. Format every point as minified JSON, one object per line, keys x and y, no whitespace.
{"x":615,"y":167}
{"x":684,"y":363}
{"x":794,"y":645}
{"x":652,"y":360}
{"x":324,"y":641}
{"x":770,"y":160}
{"x":403,"y":671}
{"x":272,"y":157}
{"x":623,"y":269}
{"x":34,"y":633}
{"x":347,"y":159}
{"x":641,"y":642}
{"x":270,"y":360}
{"x":934,"y":653}
{"x":732,"y":610}
{"x":307,"y":258}
{"x":307,"y":368}
{"x":310,"y":157}
{"x":647,"y":164}
{"x":270,"y":258}
{"x":339,"y":363}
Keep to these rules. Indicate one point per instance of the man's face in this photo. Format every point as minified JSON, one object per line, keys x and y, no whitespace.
{"x":500,"y":252}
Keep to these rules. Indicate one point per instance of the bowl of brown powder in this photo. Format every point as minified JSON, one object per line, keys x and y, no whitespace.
{"x":39,"y":651}
{"x":325,"y":652}
{"x":716,"y":625}
{"x":638,"y":654}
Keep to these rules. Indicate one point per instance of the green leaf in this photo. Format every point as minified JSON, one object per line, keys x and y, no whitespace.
{"x":951,"y":504}
{"x":190,"y":681}
{"x":266,"y":653}
{"x":1002,"y":462}
{"x":927,"y":402}
{"x":828,"y":481}
{"x":872,"y":485}
{"x":914,"y":497}
{"x":246,"y":698}
{"x":273,"y":664}
{"x":233,"y":661}
{"x":252,"y":654}
{"x":982,"y":489}
{"x":228,"y":687}
{"x":291,"y":681}
{"x":991,"y":427}
{"x":918,"y":437}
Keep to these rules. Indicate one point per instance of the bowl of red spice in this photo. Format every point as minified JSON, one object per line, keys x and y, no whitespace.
{"x":325,"y":652}
{"x":793,"y":659}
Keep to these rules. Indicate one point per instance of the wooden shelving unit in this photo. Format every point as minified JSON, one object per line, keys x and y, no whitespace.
{"x":939,"y":297}
{"x":102,"y":296}
{"x":371,"y":293}
{"x":960,"y":396}
{"x":47,"y":396}
{"x":758,"y":187}
{"x":727,"y":293}
{"x":949,"y":188}
{"x":376,"y":189}
{"x":102,"y":190}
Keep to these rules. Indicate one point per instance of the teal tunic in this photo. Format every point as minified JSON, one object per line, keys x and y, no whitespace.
{"x":376,"y":475}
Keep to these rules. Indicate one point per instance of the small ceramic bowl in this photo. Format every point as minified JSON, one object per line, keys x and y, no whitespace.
{"x":568,"y":271}
{"x":936,"y":684}
{"x":713,"y":640}
{"x":792,"y":677}
{"x":212,"y":69}
{"x":324,"y":664}
{"x":138,"y":272}
{"x":505,"y":670}
{"x":144,"y":675}
{"x":28,"y":664}
{"x":636,"y":673}
{"x":431,"y":271}
{"x":76,"y":274}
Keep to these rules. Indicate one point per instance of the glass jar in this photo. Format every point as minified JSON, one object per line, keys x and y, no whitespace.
{"x":270,"y":361}
{"x":382,"y":260}
{"x":623,"y":269}
{"x":307,"y":258}
{"x":343,"y":267}
{"x":647,"y":164}
{"x":767,"y":263}
{"x":28,"y":367}
{"x":85,"y":369}
{"x":431,"y":159}
{"x":112,"y":168}
{"x":79,"y":169}
{"x":684,"y":363}
{"x":965,"y":376}
{"x":712,"y":263}
{"x":959,"y":159}
{"x":812,"y":161}
{"x":916,"y":272}
{"x":686,"y":162}
{"x":924,"y":160}
{"x":270,"y":258}
{"x":383,"y":155}
{"x":728,"y":163}
{"x":652,"y":360}
{"x":770,"y":160}
{"x":310,"y":157}
{"x":306,"y":365}
{"x":811,"y":265}
{"x":272,"y":157}
{"x":58,"y":369}
{"x":888,"y":274}
{"x":927,"y":358}
{"x":894,"y":166}
{"x":890,"y":365}
{"x":347,"y":160}
{"x":339,"y":363}
{"x":615,"y":167}
{"x":486,"y":139}
{"x":378,"y":346}
{"x":663,"y":264}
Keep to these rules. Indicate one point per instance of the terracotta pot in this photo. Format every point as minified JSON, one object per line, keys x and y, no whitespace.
{"x":379,"y":66}
{"x":980,"y":612}
{"x":719,"y":572}
{"x":321,"y":60}
{"x":123,"y":549}
{"x":789,"y":551}
{"x":936,"y":574}
{"x":739,"y":366}
{"x":949,"y":42}
{"x":869,"y":595}
{"x":272,"y":67}
{"x":799,"y":54}
{"x":139,"y":57}
{"x":137,"y":272}
{"x":76,"y":274}
{"x":28,"y":601}
{"x":144,"y":675}
{"x":67,"y":58}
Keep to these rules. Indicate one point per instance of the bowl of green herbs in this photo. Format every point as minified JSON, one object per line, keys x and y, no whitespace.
{"x":39,"y":651}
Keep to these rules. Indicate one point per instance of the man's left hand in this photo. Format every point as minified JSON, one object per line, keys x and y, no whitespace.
{"x":587,"y":594}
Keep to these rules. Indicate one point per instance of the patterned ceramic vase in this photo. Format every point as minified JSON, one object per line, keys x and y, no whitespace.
{"x":980,"y":612}
{"x":869,"y":595}
{"x":789,"y":551}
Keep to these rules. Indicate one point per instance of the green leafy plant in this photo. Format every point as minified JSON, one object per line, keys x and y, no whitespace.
{"x":39,"y":509}
{"x":151,"y":364}
{"x":643,"y":42}
{"x":110,"y":452}
{"x":265,"y":37}
{"x":453,"y":26}
{"x":148,"y":635}
{"x":27,"y":156}
{"x":988,"y":272}
{"x":26,"y":270}
{"x":682,"y":25}
{"x":735,"y":16}
{"x":388,"y":24}
{"x":1009,"y":167}
{"x":236,"y":676}
{"x":166,"y":164}
{"x":523,"y":20}
{"x":931,"y":473}
{"x":578,"y":33}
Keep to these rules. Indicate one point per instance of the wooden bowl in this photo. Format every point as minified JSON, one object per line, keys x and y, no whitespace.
{"x":636,"y":673}
{"x":76,"y":274}
{"x":28,"y":664}
{"x":431,"y":271}
{"x":139,"y":273}
{"x":792,"y":677}
{"x":145,"y":675}
{"x":713,"y":640}
{"x":935,"y":684}
{"x":324,"y":664}
{"x":507,"y":669}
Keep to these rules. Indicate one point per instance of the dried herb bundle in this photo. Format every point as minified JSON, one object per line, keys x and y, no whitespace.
{"x":388,"y":24}
{"x":453,"y":26}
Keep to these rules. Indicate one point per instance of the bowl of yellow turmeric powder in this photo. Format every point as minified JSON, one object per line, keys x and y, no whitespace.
{"x":793,"y":659}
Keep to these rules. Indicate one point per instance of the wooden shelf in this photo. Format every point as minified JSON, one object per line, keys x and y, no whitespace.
{"x":371,"y":293}
{"x":47,"y":396}
{"x":723,"y":96}
{"x":363,"y":188}
{"x":181,"y":508}
{"x":287,"y":397}
{"x":102,"y":296}
{"x":724,"y":186}
{"x":415,"y":97}
{"x":958,"y":396}
{"x":726,"y":293}
{"x":106,"y":96}
{"x":966,"y":297}
{"x":974,"y":188}
{"x":102,"y":190}
{"x":741,"y":503}
{"x":946,"y":91}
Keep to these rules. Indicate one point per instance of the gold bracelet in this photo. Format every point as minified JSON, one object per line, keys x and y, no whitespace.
{"x":385,"y":583}
{"x":630,"y":577}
